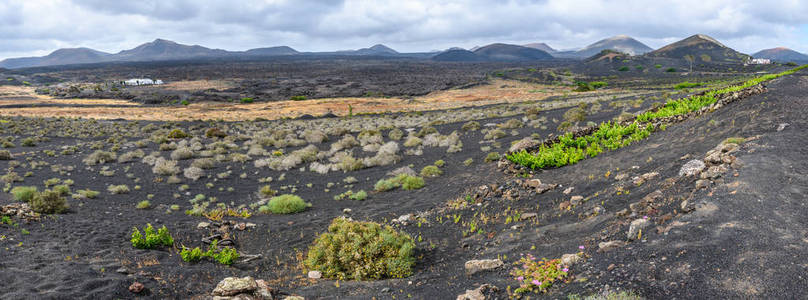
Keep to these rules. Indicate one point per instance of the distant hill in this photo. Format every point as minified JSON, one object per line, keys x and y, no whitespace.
{"x":781,"y":54}
{"x":506,"y":52}
{"x":620,"y":43}
{"x":702,"y":48}
{"x":161,"y":49}
{"x":608,"y":55}
{"x":458,"y":55}
{"x":64,"y":56}
{"x":377,"y":49}
{"x":541,"y":46}
{"x":270,"y":51}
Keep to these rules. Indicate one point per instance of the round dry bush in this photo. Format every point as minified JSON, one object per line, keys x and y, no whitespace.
{"x":182,"y":153}
{"x":361,"y":251}
{"x":165,"y":167}
{"x":5,"y":155}
{"x":287,"y":204}
{"x":193,"y":173}
{"x":99,"y":157}
{"x":49,"y":202}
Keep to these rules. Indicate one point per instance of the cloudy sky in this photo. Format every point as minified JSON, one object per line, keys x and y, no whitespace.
{"x":37,"y":27}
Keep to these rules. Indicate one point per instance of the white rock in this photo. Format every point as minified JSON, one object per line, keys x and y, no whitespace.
{"x":474,"y":266}
{"x":315,"y":274}
{"x":570,"y":259}
{"x":692,"y":168}
{"x":231,"y":286}
{"x":636,"y":226}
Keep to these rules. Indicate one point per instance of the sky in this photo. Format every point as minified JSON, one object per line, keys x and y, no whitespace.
{"x":37,"y":27}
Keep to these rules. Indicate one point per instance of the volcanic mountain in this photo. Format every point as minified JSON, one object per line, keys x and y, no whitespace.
{"x":272,"y":51}
{"x":541,"y":46}
{"x":620,"y":43}
{"x":701,"y":48}
{"x":458,"y":55}
{"x":66,"y":56}
{"x":161,"y":49}
{"x":506,"y":52}
{"x":781,"y":54}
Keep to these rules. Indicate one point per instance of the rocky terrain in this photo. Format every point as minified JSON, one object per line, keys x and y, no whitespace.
{"x":706,"y":205}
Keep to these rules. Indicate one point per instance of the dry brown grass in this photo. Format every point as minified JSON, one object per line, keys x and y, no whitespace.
{"x":498,"y":91}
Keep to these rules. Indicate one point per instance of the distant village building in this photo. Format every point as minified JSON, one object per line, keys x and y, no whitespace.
{"x":759,"y":61}
{"x":142,"y":81}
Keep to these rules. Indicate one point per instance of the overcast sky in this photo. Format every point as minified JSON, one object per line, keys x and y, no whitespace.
{"x":37,"y":27}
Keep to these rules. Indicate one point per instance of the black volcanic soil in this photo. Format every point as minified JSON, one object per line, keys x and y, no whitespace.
{"x":264,"y":80}
{"x":745,"y":239}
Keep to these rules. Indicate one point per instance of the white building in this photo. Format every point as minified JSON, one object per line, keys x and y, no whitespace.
{"x":142,"y":81}
{"x":760,"y":61}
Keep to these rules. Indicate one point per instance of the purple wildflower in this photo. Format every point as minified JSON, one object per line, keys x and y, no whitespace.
{"x":536,"y":282}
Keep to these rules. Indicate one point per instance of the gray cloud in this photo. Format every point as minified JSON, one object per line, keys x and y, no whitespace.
{"x":36,"y":27}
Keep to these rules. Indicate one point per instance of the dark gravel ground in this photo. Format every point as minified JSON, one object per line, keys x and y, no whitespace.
{"x":746,"y":239}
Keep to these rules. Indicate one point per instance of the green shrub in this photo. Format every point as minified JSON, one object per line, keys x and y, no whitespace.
{"x":215,"y":132}
{"x":246,"y":100}
{"x":687,"y":85}
{"x":184,"y":102}
{"x":49,"y":202}
{"x":358,"y":196}
{"x":62,"y":189}
{"x":266,"y":191}
{"x":670,"y":70}
{"x":492,"y":157}
{"x":298,"y":98}
{"x":150,"y":239}
{"x":623,"y":69}
{"x":28,"y":142}
{"x":226,"y":256}
{"x":468,"y":162}
{"x":471,"y":126}
{"x":287,"y":204}
{"x":24,"y":193}
{"x":384,"y":185}
{"x":410,"y":182}
{"x":403,"y":181}
{"x":177,"y":134}
{"x":658,"y":66}
{"x":431,"y":171}
{"x":361,"y":251}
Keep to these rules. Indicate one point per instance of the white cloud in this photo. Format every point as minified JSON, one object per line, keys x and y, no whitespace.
{"x":36,"y":27}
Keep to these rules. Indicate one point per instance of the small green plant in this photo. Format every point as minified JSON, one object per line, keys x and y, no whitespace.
{"x":440,"y":163}
{"x":492,"y":157}
{"x":298,"y":98}
{"x":687,"y":85}
{"x":286,"y":204}
{"x":358,"y":196}
{"x":670,"y":70}
{"x":468,"y":162}
{"x":118,"y":189}
{"x":24,"y":193}
{"x":226,"y":256}
{"x":431,"y":171}
{"x":88,"y":193}
{"x":735,"y":140}
{"x":143,"y":204}
{"x":150,"y":239}
{"x":658,"y":66}
{"x":404,"y":181}
{"x":623,"y":69}
{"x":184,"y":102}
{"x":537,"y":276}
{"x":246,"y":100}
{"x":267,"y":191}
{"x":361,"y":251}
